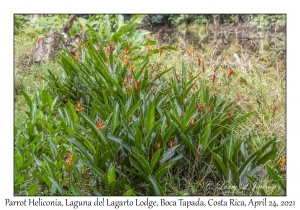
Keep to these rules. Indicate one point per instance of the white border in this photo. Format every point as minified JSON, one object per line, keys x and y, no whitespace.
{"x":8,"y":8}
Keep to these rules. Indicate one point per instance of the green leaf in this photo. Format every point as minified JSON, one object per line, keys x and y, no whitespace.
{"x":26,"y":164}
{"x":98,"y":171}
{"x":112,"y":186}
{"x":268,"y":156}
{"x":245,"y":165}
{"x":103,"y":160}
{"x":49,"y":165}
{"x":169,"y":154}
{"x":120,"y":141}
{"x":115,"y":118}
{"x":32,"y":190}
{"x":75,"y":190}
{"x":155,"y":158}
{"x":163,"y":169}
{"x":28,"y":100}
{"x":119,"y":20}
{"x":240,"y":119}
{"x":137,"y":138}
{"x":111,"y":175}
{"x":77,"y":175}
{"x":220,"y":162}
{"x":142,"y":161}
{"x":137,"y":167}
{"x":205,"y":137}
{"x":52,"y":146}
{"x":189,"y":143}
{"x":251,"y":180}
{"x":231,"y":146}
{"x":56,"y":185}
{"x":169,"y":48}
{"x":129,"y":193}
{"x":178,"y":108}
{"x":234,"y":172}
{"x":275,"y":177}
{"x":83,"y":150}
{"x":157,"y":188}
{"x":150,"y":117}
{"x":95,"y":128}
{"x":134,"y":22}
{"x":72,"y":111}
{"x":19,"y":180}
{"x":134,"y":108}
{"x":190,"y":111}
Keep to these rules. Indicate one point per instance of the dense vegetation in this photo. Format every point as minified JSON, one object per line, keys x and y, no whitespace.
{"x":125,"y":115}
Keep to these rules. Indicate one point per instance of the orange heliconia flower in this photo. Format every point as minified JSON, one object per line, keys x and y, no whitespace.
{"x":158,"y":144}
{"x":82,"y":46}
{"x":230,"y":115}
{"x":282,"y":162}
{"x":109,"y":49}
{"x":126,"y":49}
{"x":199,"y":61}
{"x":136,"y":84}
{"x":82,"y":28}
{"x":125,"y":59}
{"x":190,"y":51}
{"x":69,"y":160}
{"x":192,"y":121}
{"x":171,"y":144}
{"x":229,"y":73}
{"x":157,"y":75}
{"x":208,"y":107}
{"x":199,"y":106}
{"x":100,"y":125}
{"x":149,"y":48}
{"x":131,"y":67}
{"x":239,"y":97}
{"x":78,"y":107}
{"x":160,"y":52}
{"x":77,"y":57}
{"x":129,"y":78}
{"x":213,"y":78}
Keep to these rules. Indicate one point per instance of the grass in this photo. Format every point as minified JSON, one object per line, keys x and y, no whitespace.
{"x":257,"y":85}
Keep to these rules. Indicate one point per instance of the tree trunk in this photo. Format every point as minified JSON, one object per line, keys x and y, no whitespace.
{"x":47,"y":45}
{"x":215,"y":20}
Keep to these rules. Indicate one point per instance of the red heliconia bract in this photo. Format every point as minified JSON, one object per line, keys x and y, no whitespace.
{"x":171,"y":144}
{"x":158,"y":144}
{"x":136,"y":84}
{"x":214,"y":78}
{"x":230,"y":115}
